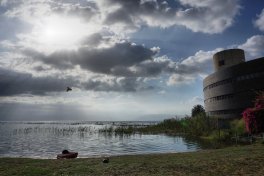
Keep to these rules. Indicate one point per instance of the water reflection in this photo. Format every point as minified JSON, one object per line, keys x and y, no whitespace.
{"x":46,"y":140}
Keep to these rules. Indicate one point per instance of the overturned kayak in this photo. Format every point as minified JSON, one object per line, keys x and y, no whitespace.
{"x":67,"y":155}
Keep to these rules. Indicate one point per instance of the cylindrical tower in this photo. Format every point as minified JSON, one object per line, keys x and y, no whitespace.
{"x":228,"y":58}
{"x":233,"y":85}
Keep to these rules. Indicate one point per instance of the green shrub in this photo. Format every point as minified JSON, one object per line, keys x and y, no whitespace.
{"x":198,"y":125}
{"x":238,"y":127}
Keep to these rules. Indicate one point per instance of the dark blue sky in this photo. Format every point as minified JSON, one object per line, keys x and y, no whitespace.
{"x":179,"y":42}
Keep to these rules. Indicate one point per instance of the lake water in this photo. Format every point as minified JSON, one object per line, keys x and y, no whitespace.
{"x":47,"y":139}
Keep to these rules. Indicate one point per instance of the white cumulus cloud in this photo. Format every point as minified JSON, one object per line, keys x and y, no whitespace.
{"x":259,"y":22}
{"x":254,"y":46}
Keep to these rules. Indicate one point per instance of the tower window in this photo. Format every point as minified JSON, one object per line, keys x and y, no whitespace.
{"x":221,"y":62}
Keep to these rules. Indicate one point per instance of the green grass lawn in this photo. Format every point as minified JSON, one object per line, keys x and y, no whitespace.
{"x":242,"y":160}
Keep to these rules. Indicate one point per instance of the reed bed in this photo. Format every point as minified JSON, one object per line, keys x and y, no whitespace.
{"x":67,"y":130}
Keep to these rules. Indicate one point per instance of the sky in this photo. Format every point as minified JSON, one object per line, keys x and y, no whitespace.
{"x":123,"y":59}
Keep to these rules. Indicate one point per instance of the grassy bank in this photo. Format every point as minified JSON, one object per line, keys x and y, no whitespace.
{"x":242,"y":160}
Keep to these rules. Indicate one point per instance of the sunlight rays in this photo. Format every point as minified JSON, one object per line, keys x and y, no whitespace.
{"x":58,"y":32}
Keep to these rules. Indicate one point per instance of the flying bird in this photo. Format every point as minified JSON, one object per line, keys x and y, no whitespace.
{"x":68,"y":89}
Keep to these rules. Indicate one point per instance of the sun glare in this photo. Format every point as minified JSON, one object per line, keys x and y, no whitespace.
{"x":63,"y":33}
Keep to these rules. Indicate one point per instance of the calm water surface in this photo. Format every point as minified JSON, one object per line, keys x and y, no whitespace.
{"x":47,"y":139}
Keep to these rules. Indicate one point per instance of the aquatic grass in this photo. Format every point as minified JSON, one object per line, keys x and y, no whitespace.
{"x":166,"y":126}
{"x":58,"y":131}
{"x":107,"y":129}
{"x":125,"y":130}
{"x":199,"y":126}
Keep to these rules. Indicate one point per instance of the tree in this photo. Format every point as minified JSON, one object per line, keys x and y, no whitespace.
{"x":197,"y":109}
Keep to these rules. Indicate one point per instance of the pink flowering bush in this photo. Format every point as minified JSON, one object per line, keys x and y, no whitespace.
{"x":254,"y":117}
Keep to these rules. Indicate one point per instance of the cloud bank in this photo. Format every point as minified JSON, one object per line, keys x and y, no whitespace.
{"x":209,"y":16}
{"x":124,"y":67}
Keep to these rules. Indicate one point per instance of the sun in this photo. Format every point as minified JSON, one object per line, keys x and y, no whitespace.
{"x":56,"y":32}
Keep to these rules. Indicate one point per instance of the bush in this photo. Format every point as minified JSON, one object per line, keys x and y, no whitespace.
{"x":238,"y":127}
{"x":254,"y":117}
{"x":220,"y":135}
{"x":198,"y":125}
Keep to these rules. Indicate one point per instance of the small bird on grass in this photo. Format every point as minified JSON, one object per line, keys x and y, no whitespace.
{"x":106,"y":160}
{"x":68,"y":89}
